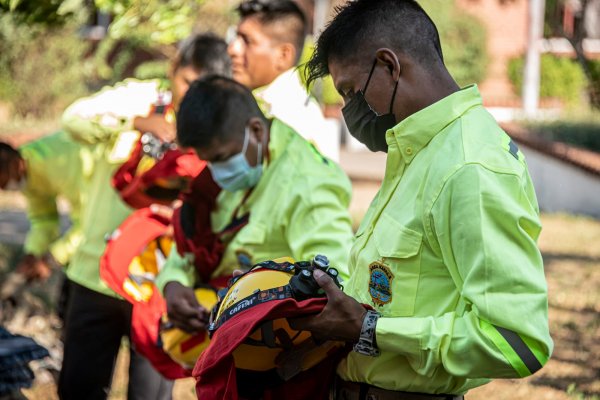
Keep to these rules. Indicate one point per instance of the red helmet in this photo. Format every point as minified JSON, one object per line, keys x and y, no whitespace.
{"x":155,"y":176}
{"x":156,"y":171}
{"x":133,"y":257}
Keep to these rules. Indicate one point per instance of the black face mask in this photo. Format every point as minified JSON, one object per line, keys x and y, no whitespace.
{"x":365,"y":124}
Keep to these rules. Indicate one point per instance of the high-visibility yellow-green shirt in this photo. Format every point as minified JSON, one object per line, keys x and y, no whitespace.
{"x":447,"y":254}
{"x":102,"y":123}
{"x":53,"y":165}
{"x":299,"y":208}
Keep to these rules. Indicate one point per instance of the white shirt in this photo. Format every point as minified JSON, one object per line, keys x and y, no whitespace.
{"x":287,"y":100}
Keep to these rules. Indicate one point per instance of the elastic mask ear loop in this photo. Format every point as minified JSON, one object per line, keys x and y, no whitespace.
{"x":369,"y":78}
{"x":246,"y":140}
{"x":395,"y":88}
{"x":393,"y":96}
{"x":259,"y":155}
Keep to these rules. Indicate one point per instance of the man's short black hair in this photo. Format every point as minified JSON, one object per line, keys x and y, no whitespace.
{"x":204,"y":52}
{"x":365,"y":25}
{"x":215,"y":107}
{"x":283,"y":12}
{"x":8,"y":155}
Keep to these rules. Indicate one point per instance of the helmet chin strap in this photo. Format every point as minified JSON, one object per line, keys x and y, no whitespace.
{"x":289,"y":362}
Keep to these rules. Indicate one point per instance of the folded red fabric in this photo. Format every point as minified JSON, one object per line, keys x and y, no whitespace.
{"x":215,"y":372}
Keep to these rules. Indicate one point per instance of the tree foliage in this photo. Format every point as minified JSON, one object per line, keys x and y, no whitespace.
{"x":151,"y":22}
{"x":49,"y":12}
{"x":561,"y":78}
{"x":463,"y":39}
{"x":41,"y":70}
{"x":554,"y":27}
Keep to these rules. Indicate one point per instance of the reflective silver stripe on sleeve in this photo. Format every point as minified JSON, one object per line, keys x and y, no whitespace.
{"x":521,"y":349}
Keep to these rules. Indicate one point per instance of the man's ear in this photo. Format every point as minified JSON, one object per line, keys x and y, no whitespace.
{"x":389,"y":58}
{"x":286,"y":56}
{"x":257,"y":128}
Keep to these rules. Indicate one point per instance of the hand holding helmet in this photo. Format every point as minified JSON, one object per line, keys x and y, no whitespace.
{"x":183,"y":308}
{"x":342,"y":317}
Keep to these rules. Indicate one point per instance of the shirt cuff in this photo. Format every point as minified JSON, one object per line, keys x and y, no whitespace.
{"x":399,"y":335}
{"x":183,"y":274}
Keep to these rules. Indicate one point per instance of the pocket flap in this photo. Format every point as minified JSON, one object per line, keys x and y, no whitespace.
{"x":395,"y":240}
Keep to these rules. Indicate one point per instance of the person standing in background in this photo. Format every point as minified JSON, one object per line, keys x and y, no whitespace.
{"x":265,"y":53}
{"x":44,"y":170}
{"x":97,"y":318}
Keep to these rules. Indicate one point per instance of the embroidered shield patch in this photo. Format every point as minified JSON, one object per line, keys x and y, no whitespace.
{"x":380,"y":283}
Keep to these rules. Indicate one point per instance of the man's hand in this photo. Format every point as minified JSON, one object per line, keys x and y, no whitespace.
{"x":341,"y":319}
{"x":156,"y":124}
{"x":183,"y":309}
{"x":35,"y":268}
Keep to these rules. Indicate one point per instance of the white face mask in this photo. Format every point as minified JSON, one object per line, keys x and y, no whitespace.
{"x":16,"y":186}
{"x":235,"y":173}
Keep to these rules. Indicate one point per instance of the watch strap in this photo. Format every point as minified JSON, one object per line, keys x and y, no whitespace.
{"x":366,"y":342}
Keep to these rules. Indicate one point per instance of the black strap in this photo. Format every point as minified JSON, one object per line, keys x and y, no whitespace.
{"x":274,"y":266}
{"x":369,"y":78}
{"x":268,"y":335}
{"x":260,"y":297}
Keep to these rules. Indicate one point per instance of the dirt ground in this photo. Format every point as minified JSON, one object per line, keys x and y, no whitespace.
{"x":571,"y":250}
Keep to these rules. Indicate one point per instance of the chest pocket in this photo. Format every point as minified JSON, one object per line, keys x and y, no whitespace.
{"x":397,"y":265}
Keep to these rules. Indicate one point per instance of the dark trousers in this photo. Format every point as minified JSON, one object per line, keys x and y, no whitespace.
{"x":94,"y":327}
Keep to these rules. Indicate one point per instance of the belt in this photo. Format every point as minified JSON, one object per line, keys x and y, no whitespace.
{"x":344,"y":390}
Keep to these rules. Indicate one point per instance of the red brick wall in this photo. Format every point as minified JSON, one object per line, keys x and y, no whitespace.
{"x":506,"y":24}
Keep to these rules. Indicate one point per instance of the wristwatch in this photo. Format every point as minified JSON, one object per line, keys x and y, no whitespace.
{"x":366,"y":342}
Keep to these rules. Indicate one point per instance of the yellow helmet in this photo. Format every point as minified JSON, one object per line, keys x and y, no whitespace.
{"x":274,"y":345}
{"x":181,"y":346}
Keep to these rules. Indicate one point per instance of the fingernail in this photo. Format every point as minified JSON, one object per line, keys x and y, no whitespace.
{"x":317,"y":273}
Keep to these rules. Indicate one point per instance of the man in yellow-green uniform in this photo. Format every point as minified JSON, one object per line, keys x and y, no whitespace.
{"x":97,"y":318}
{"x":45,"y":169}
{"x":446,"y":254}
{"x":295,"y":199}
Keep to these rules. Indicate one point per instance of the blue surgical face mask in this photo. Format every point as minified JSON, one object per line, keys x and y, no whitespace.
{"x":235,"y":173}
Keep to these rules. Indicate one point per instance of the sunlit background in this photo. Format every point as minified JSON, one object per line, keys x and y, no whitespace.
{"x":537,"y":64}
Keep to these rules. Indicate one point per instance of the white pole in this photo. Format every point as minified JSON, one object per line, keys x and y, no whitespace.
{"x":320,"y":16}
{"x":531,"y":73}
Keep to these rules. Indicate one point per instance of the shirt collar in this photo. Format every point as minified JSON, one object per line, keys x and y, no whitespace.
{"x":279,"y":138}
{"x":414,"y":133}
{"x":285,"y":86}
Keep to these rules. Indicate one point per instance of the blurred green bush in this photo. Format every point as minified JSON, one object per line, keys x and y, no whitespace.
{"x":463,"y":39}
{"x":579,"y":132}
{"x":561,"y":78}
{"x":41,"y":69}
